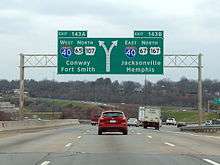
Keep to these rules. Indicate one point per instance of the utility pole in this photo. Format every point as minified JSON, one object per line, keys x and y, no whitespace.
{"x":200,"y":88}
{"x":21,"y":98}
{"x":208,"y":105}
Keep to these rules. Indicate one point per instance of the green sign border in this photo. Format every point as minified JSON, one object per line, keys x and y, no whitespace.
{"x":68,"y":36}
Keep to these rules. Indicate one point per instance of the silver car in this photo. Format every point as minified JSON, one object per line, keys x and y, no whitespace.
{"x":133,"y":122}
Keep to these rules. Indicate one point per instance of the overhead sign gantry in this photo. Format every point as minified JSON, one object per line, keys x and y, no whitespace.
{"x":138,"y":52}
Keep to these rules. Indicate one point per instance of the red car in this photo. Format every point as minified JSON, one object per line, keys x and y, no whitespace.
{"x":94,"y":119}
{"x":112,"y":121}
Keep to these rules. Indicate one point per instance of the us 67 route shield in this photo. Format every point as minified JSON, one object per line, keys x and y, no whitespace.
{"x":110,"y":55}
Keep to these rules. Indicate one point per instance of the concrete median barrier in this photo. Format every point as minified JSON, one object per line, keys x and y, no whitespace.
{"x":10,"y":126}
{"x":207,"y":129}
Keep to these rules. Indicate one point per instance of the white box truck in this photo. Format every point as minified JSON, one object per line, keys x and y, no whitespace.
{"x":149,"y":116}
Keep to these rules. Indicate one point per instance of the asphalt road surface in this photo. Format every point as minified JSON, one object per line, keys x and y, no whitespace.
{"x":80,"y":145}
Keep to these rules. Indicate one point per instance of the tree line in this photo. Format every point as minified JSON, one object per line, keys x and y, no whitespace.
{"x":162,"y":92}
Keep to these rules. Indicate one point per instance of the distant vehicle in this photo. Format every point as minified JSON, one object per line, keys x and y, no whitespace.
{"x":171,"y":121}
{"x":94,"y":120}
{"x":112,"y":121}
{"x":133,"y":122}
{"x":150,"y":116}
{"x":208,"y":122}
{"x":181,"y":124}
{"x":216,"y":122}
{"x":213,"y":122}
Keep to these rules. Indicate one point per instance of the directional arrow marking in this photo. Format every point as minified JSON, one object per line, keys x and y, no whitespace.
{"x":108,"y":52}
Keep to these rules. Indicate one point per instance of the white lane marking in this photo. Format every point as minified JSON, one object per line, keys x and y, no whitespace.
{"x":149,"y":137}
{"x":169,"y":144}
{"x":45,"y":163}
{"x":68,"y":145}
{"x":173,"y":132}
{"x":211,"y":162}
{"x":217,"y":137}
{"x":79,"y":137}
{"x":139,"y":133}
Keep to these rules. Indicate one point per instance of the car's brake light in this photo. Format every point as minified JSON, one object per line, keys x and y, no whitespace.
{"x":124,"y":121}
{"x":101,"y":120}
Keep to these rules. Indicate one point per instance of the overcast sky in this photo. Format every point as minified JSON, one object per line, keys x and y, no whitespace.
{"x":30,"y":26}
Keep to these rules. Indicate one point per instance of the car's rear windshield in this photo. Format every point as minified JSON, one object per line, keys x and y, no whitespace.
{"x":112,"y":114}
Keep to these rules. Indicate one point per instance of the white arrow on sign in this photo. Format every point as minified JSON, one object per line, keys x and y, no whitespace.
{"x":108,"y":52}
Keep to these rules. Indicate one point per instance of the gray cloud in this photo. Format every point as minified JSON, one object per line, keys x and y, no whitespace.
{"x":12,"y":26}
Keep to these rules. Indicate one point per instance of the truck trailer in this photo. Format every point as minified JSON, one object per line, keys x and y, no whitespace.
{"x":149,"y":116}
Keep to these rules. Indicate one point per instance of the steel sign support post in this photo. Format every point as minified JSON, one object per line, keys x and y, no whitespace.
{"x":21,"y":92}
{"x":200,"y":88}
{"x":170,"y":60}
{"x":208,"y":106}
{"x":32,"y":61}
{"x":189,"y":61}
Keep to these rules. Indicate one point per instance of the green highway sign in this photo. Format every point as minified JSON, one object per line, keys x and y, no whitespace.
{"x":216,"y":101}
{"x":148,"y":33}
{"x":109,"y":55}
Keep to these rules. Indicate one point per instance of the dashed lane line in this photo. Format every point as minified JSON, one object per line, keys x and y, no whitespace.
{"x":68,"y":145}
{"x":79,"y":137}
{"x":149,"y":137}
{"x":169,"y":144}
{"x":211,"y":162}
{"x":45,"y":163}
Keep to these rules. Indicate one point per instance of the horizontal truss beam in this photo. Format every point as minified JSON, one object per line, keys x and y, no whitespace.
{"x":170,"y":60}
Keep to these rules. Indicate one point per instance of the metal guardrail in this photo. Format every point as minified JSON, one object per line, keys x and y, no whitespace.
{"x":207,"y":128}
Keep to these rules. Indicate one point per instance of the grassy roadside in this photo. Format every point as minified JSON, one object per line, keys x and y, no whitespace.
{"x":56,"y":105}
{"x":186,"y":116}
{"x":47,"y":108}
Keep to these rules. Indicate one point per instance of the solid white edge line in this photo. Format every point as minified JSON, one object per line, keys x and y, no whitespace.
{"x":45,"y":163}
{"x":68,"y":145}
{"x":169,"y":144}
{"x":211,"y":162}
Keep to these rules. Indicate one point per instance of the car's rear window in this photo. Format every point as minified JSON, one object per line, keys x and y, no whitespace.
{"x":113,"y":114}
